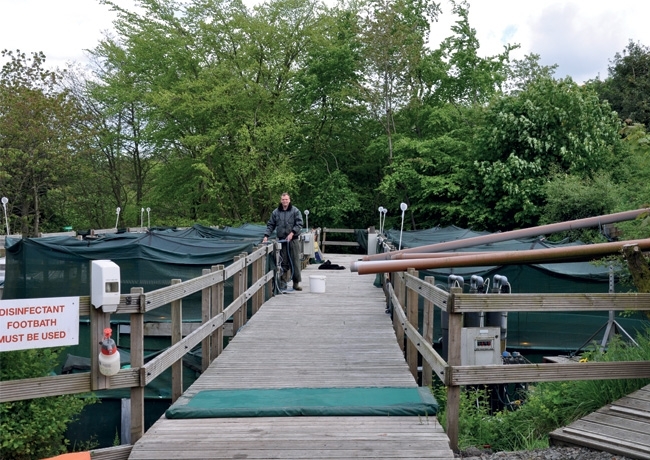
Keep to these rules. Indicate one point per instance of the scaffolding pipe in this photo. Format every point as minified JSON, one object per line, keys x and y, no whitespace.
{"x":514,"y":234}
{"x":531,"y":256}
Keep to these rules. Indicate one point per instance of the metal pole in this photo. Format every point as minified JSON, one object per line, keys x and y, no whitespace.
{"x":5,"y":200}
{"x":514,"y":234}
{"x":566,"y":254}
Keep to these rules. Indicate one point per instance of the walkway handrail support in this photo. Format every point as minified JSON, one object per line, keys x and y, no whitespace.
{"x":514,"y":234}
{"x":531,"y":256}
{"x":136,"y":304}
{"x":455,"y":303}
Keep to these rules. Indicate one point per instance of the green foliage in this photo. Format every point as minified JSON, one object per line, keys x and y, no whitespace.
{"x":479,"y":427}
{"x":334,"y":201}
{"x":551,"y":127}
{"x":470,"y":79}
{"x":427,"y":169}
{"x":394,"y":36}
{"x":35,"y":428}
{"x":569,"y":197}
{"x":627,"y":86}
{"x":206,"y":110}
{"x":547,"y":405}
{"x":37,"y":134}
{"x":524,"y":71}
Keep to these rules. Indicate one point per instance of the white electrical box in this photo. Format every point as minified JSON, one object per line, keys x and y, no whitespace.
{"x":105,"y":285}
{"x":480,"y":346}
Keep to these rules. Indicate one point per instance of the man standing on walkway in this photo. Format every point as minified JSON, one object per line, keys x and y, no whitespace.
{"x":286,"y":220}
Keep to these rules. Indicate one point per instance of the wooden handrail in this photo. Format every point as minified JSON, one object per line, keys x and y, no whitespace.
{"x":139,"y":375}
{"x":454,"y":375}
{"x":325,"y":242}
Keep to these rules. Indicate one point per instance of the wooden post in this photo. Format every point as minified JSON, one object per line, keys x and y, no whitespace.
{"x":427,"y":333}
{"x":453,"y":359}
{"x":137,"y":361}
{"x":177,"y":336}
{"x":237,"y":281}
{"x":242,"y":288}
{"x":398,"y":286}
{"x":98,"y":322}
{"x":258,"y":272}
{"x":268,"y":287}
{"x":206,"y":315}
{"x":412,"y":298}
{"x":216,"y":347}
{"x":125,"y":421}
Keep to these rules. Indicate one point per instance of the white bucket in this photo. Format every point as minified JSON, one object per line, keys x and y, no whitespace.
{"x":317,"y":283}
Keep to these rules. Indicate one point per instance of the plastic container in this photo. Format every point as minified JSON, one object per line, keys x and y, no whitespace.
{"x":109,"y":357}
{"x":317,"y":284}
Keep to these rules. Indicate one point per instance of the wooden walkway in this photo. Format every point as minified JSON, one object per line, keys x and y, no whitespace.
{"x":340,"y":338}
{"x":621,"y":428}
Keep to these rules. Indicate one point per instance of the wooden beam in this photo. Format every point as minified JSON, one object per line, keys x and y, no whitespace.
{"x":137,"y":361}
{"x":427,"y":334}
{"x":412,"y":318}
{"x":177,"y":336}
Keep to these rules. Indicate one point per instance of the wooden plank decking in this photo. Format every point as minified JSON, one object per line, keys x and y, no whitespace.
{"x":622,"y":428}
{"x":340,"y":338}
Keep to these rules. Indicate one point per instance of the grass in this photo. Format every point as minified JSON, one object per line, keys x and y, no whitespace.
{"x":546,"y":405}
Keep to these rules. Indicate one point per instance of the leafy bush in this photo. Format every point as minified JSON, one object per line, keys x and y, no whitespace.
{"x":35,"y":428}
{"x":548,"y":405}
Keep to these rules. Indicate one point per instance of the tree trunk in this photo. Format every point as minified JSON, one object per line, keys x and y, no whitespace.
{"x":639,"y":269}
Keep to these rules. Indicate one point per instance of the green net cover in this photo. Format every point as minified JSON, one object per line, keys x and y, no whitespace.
{"x":566,"y":331}
{"x":60,"y":266}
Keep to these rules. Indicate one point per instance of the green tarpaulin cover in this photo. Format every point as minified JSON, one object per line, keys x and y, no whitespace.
{"x":290,"y":402}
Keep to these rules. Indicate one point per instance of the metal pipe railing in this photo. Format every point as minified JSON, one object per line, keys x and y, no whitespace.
{"x":565,"y":254}
{"x":514,"y":234}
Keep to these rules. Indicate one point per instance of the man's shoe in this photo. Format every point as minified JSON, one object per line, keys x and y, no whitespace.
{"x":296,"y":287}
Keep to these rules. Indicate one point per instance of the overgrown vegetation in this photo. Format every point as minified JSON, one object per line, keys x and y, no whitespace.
{"x":35,"y":428}
{"x":546,"y":405}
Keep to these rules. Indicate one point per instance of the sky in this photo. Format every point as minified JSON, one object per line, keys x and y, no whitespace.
{"x":580,"y":36}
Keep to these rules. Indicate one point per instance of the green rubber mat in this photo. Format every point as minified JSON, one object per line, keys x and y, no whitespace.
{"x":291,"y":402}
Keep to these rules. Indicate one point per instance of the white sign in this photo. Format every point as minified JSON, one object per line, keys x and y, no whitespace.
{"x":39,"y":323}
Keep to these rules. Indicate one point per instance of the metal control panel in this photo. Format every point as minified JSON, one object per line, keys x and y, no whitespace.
{"x":481,"y":346}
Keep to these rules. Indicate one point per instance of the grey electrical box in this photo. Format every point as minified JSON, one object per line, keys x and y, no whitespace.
{"x":307,"y":245}
{"x":480,"y":346}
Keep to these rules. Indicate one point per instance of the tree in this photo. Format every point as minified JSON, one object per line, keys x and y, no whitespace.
{"x":627,"y":87}
{"x":395,"y":33}
{"x":216,"y":80}
{"x":527,"y":70}
{"x":552,"y":127}
{"x":632,"y":179}
{"x":38,"y":127}
{"x":470,"y":79}
{"x":334,"y":125}
{"x":570,"y":197}
{"x":427,"y":170}
{"x":434,"y":144}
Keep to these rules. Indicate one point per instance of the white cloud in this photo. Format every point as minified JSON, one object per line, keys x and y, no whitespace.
{"x":580,"y":36}
{"x":62,"y":29}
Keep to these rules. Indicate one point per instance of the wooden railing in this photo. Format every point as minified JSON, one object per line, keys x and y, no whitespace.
{"x":325,"y":242}
{"x":403,"y":291}
{"x":210,"y":335}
